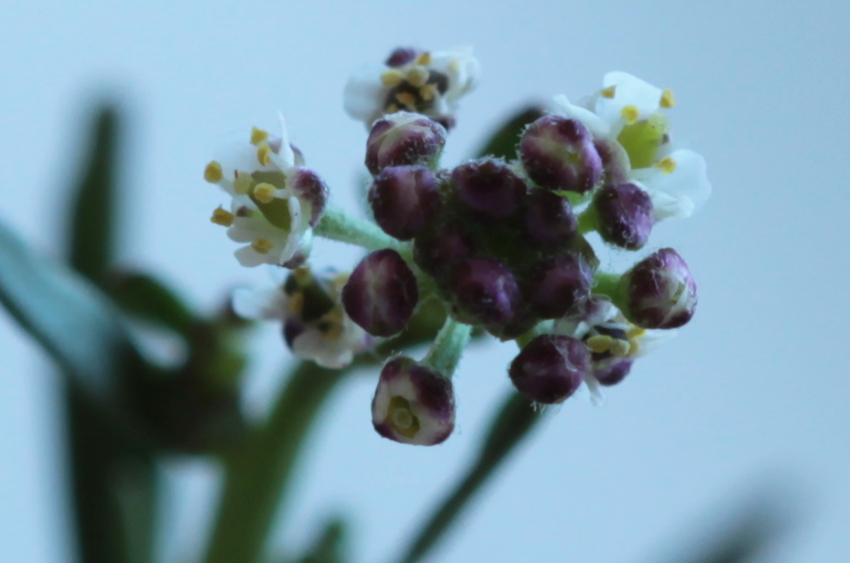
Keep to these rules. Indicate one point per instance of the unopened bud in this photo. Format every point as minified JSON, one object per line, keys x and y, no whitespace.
{"x":549,"y":219}
{"x":404,"y":138}
{"x":559,"y":284}
{"x":485,"y":292}
{"x":558,"y":154}
{"x":550,"y":368}
{"x":623,"y":215}
{"x":659,"y":291}
{"x":489,"y":187}
{"x":404,"y":200}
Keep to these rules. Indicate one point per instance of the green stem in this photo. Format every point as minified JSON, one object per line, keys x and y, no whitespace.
{"x":608,"y":284}
{"x":337,"y":225}
{"x":514,"y":421}
{"x":258,"y":473}
{"x":587,"y":221}
{"x":448,"y":347}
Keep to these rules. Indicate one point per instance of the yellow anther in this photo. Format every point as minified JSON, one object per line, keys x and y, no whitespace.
{"x":262,"y":245}
{"x":600,"y":343}
{"x":424,"y":59}
{"x":263,"y":152}
{"x":242,"y":183}
{"x":392,"y":108}
{"x":296,"y":303}
{"x":630,"y":114}
{"x":222,"y":217}
{"x":428,"y":92}
{"x":667,"y":99}
{"x":331,"y":323}
{"x":406,"y":99}
{"x":666,"y":164}
{"x":258,"y":136}
{"x":418,"y":76}
{"x":213,"y":173}
{"x":264,"y":193}
{"x":392,"y":78}
{"x":608,"y":92}
{"x":620,"y":347}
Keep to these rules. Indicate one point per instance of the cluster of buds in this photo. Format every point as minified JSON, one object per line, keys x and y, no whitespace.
{"x":501,"y":243}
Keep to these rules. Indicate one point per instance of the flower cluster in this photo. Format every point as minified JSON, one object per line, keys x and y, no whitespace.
{"x":503,"y":244}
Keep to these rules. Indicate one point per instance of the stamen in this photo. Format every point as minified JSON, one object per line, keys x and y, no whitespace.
{"x":608,"y":92}
{"x":666,"y":164}
{"x":392,"y":108}
{"x":620,"y":347}
{"x":263,"y":151}
{"x":600,"y":343}
{"x":262,"y":245}
{"x":264,"y":193}
{"x":424,"y":59}
{"x":303,"y":276}
{"x":630,"y":114}
{"x":222,"y":217}
{"x":428,"y":92}
{"x":392,"y":78}
{"x":258,"y":136}
{"x":213,"y":173}
{"x":242,"y":183}
{"x":418,"y":76}
{"x":406,"y":99}
{"x":667,"y":99}
{"x":296,"y":304}
{"x":333,"y":321}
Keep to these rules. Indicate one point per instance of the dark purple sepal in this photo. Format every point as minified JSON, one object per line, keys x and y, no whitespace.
{"x":404,"y":199}
{"x":440,"y":251}
{"x":612,"y":371}
{"x":404,"y":138}
{"x":659,"y":291}
{"x":401,"y":56}
{"x":489,"y":187}
{"x":550,"y":368}
{"x":292,"y":329}
{"x":623,"y":215}
{"x":309,"y":188}
{"x":558,"y":285}
{"x":558,"y":154}
{"x":485,"y":291}
{"x":381,"y":293}
{"x":549,"y":219}
{"x":615,"y":161}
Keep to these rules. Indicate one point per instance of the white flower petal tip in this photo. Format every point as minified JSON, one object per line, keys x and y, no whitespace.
{"x":275,"y":202}
{"x":429,"y":83}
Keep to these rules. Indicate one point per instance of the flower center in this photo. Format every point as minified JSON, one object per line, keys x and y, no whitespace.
{"x":642,"y":139}
{"x":401,"y":418}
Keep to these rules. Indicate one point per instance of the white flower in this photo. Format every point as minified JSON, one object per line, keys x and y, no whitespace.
{"x":315,"y":325}
{"x":275,"y":200}
{"x":416,"y":81}
{"x":614,"y":342}
{"x":628,"y":120}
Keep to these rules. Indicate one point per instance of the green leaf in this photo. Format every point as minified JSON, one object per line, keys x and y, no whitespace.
{"x":92,"y":216}
{"x":149,"y":299}
{"x":503,"y":142}
{"x":329,"y":546}
{"x":514,"y":420}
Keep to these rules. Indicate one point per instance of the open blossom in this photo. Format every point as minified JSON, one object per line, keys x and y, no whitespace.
{"x":614,"y":342}
{"x":413,"y":80}
{"x":315,"y":325}
{"x":275,"y":200}
{"x":628,"y":120}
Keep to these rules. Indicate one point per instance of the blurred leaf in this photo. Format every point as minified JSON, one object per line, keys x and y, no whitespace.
{"x":503,"y":142}
{"x":147,"y":298}
{"x":92,"y":237}
{"x":329,"y":547}
{"x":514,"y":420}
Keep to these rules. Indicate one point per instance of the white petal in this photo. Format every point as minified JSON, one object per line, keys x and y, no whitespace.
{"x":665,"y":206}
{"x":687,"y":186}
{"x":595,"y":124}
{"x":269,"y":303}
{"x":250,"y":258}
{"x":364,"y":93}
{"x":461,"y":67}
{"x":629,"y":91}
{"x":237,"y":153}
{"x":287,"y":155}
{"x":651,"y":339}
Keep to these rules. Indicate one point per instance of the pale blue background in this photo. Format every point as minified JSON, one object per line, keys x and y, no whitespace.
{"x":751,"y":397}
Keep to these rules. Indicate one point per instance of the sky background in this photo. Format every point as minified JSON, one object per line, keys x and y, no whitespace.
{"x":750,"y":401}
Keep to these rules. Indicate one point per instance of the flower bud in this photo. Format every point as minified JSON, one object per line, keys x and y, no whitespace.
{"x":489,"y":187}
{"x":559,"y":284}
{"x":311,"y":190}
{"x":413,"y":404}
{"x":549,"y":219}
{"x":404,"y":138}
{"x":558,"y":154}
{"x":381,"y":293}
{"x":623,"y":215}
{"x":612,"y":371}
{"x":440,"y":251}
{"x":485,"y":292}
{"x":659,"y":291}
{"x":404,"y":200}
{"x":402,"y":56}
{"x":550,"y":368}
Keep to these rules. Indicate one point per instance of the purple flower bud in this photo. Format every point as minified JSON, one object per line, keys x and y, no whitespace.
{"x":311,"y":190}
{"x":612,"y":371}
{"x":550,"y":368}
{"x":404,"y":200}
{"x":615,"y":161}
{"x":558,"y":154}
{"x":623,"y":215}
{"x":660,"y":291}
{"x":401,"y":56}
{"x":440,"y":251}
{"x":559,"y":284}
{"x":549,"y":219}
{"x":413,"y":404}
{"x":489,"y":187}
{"x":381,"y":293}
{"x":404,"y":138}
{"x":485,"y":292}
